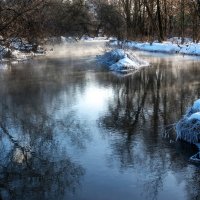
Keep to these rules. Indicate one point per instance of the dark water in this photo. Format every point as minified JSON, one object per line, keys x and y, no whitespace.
{"x":70,"y":129}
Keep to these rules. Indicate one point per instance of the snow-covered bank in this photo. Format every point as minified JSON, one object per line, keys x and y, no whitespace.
{"x":16,"y":55}
{"x":121,"y":61}
{"x":192,"y":49}
{"x":19,"y":50}
{"x":165,"y":47}
{"x":188,"y":128}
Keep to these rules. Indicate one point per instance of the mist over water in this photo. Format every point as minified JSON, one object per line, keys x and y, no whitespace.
{"x":70,"y":129}
{"x":79,"y":49}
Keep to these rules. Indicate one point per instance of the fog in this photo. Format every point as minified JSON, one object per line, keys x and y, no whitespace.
{"x":76,"y":49}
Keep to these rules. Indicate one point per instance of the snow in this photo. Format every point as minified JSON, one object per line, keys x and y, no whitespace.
{"x":125,"y":64}
{"x":188,"y":128}
{"x":20,"y":44}
{"x":171,"y":46}
{"x":66,"y":40}
{"x":19,"y":50}
{"x":156,"y":47}
{"x":111,"y":57}
{"x":191,"y":49}
{"x":195,"y":158}
{"x":121,"y":61}
{"x":196,"y":105}
{"x":20,"y":56}
{"x":3,"y":66}
{"x":195,"y":116}
{"x":93,"y":39}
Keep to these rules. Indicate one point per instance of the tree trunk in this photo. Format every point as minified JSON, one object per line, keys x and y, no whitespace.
{"x":154,"y":26}
{"x":182,"y":21}
{"x":165,"y":24}
{"x":161,"y":38}
{"x":127,"y":8}
{"x":198,"y":5}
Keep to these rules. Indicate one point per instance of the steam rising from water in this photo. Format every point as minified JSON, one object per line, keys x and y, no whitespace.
{"x":79,"y":49}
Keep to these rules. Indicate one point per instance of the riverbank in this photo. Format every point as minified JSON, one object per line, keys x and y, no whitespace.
{"x":169,"y":47}
{"x":17,"y":50}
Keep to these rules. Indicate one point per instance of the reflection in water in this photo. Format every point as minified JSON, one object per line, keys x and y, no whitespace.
{"x":33,"y":164}
{"x":142,"y":108}
{"x":72,"y":130}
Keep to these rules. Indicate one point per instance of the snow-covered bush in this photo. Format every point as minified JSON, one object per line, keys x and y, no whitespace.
{"x":188,"y":128}
{"x":21,"y":45}
{"x":19,"y":50}
{"x":122,"y":61}
{"x":111,"y":57}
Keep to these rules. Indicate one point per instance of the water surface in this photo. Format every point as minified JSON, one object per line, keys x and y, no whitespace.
{"x":70,"y":129}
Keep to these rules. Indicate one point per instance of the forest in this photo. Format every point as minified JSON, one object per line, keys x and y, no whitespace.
{"x":143,"y":20}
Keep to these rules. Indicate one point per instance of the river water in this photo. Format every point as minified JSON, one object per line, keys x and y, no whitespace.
{"x":70,"y":129}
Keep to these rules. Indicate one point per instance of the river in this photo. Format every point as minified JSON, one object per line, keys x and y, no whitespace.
{"x":71,"y":129}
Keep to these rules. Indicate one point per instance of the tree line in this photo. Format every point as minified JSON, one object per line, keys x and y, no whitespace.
{"x":37,"y":19}
{"x":124,"y":19}
{"x":151,"y":19}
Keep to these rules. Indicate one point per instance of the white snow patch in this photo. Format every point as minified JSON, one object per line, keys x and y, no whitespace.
{"x":20,"y":44}
{"x":122,"y":61}
{"x":125,"y":64}
{"x":157,"y":47}
{"x":191,"y":49}
{"x":3,"y":66}
{"x":196,"y":105}
{"x":19,"y":50}
{"x":195,"y":116}
{"x":19,"y":56}
{"x":188,"y":48}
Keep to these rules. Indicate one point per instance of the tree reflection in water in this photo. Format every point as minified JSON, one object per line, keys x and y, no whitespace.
{"x":35,"y":169}
{"x":33,"y":163}
{"x":46,"y":119}
{"x":144,"y":105}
